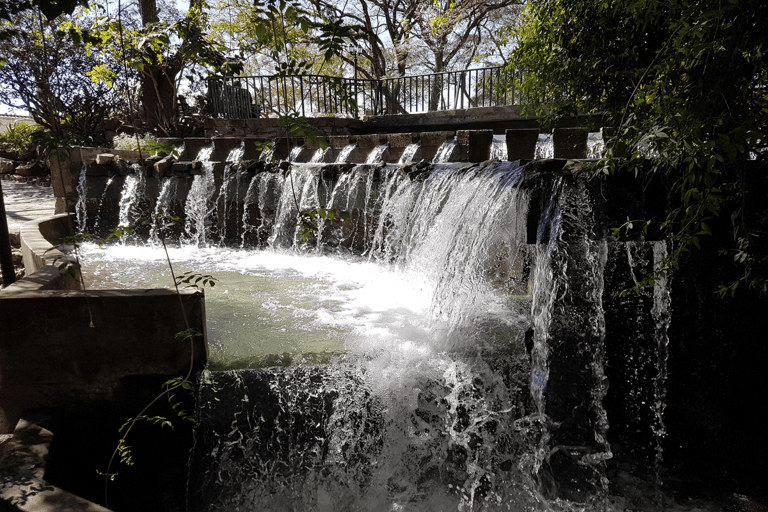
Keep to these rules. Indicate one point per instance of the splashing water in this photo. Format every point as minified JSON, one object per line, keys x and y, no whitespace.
{"x":499,"y":148}
{"x":427,"y":399}
{"x":199,"y":207}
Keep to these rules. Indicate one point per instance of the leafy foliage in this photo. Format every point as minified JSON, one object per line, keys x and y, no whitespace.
{"x":148,"y":143}
{"x":299,"y":125}
{"x":44,"y":71}
{"x":685,"y":85}
{"x":307,"y":222}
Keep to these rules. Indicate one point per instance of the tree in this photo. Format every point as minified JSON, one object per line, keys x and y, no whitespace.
{"x":159,"y":52}
{"x":684,"y":83}
{"x":51,"y":76}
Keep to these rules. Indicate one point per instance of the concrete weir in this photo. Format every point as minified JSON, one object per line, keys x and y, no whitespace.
{"x":99,"y":344}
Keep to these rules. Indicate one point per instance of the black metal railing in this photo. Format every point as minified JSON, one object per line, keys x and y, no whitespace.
{"x":318,"y":96}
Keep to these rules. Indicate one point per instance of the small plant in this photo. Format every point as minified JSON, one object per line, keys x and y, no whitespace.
{"x":308,"y":225}
{"x":167,"y":226}
{"x":148,"y":143}
{"x":57,"y":146}
{"x":19,"y":134}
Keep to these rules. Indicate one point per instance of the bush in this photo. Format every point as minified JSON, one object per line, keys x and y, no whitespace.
{"x":19,"y":133}
{"x":16,"y":141}
{"x":147,"y":143}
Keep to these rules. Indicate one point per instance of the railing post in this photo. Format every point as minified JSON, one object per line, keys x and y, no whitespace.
{"x":378,"y":98}
{"x":301,"y":95}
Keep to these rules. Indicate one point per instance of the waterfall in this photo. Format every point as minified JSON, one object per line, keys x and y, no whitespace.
{"x":408,"y":153}
{"x":488,"y":392}
{"x":595,"y":145}
{"x":499,"y":148}
{"x":295,"y":152}
{"x":292,"y":199}
{"x":132,"y":206}
{"x":445,"y":151}
{"x":319,"y":155}
{"x":268,"y":154}
{"x":82,"y":196}
{"x":198,"y":209}
{"x":163,"y":207}
{"x":101,"y":203}
{"x":344,"y":153}
{"x":228,"y":198}
{"x":377,"y":154}
{"x":661,"y":316}
{"x":544,"y":147}
{"x":420,"y":421}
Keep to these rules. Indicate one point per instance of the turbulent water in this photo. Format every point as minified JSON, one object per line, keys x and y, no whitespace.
{"x":396,"y":360}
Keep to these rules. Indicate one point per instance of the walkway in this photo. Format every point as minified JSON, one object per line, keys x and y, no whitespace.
{"x":25,"y":202}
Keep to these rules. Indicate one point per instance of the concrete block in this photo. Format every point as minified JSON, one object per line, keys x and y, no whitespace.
{"x":521,"y":143}
{"x":474,"y":145}
{"x":609,"y":134}
{"x":570,"y":142}
{"x":369,"y":141}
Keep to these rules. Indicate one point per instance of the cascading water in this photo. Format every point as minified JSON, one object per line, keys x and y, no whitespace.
{"x":132,"y":205}
{"x":198,"y":209}
{"x":343,"y":155}
{"x":377,"y":154}
{"x":82,"y":191}
{"x":163,"y":207}
{"x":228,"y":193}
{"x":462,"y":362}
{"x":319,"y":155}
{"x":499,"y":148}
{"x":544,"y":147}
{"x":661,"y":316}
{"x":445,"y":151}
{"x":409,"y":152}
{"x":595,"y":145}
{"x":294,"y":154}
{"x":81,"y":197}
{"x":267,"y":154}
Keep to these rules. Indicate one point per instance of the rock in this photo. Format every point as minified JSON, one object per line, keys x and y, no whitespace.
{"x":32,"y":169}
{"x":15,"y":237}
{"x":6,"y":166}
{"x":105,"y":158}
{"x":121,"y":164}
{"x":163,"y":165}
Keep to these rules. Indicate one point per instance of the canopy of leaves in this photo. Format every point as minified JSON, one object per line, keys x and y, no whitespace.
{"x":685,"y":83}
{"x":51,"y":76}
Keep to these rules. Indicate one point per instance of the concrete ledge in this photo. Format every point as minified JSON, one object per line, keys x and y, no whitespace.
{"x":42,"y":259}
{"x":22,"y":467}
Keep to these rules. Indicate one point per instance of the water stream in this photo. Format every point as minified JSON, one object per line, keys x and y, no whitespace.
{"x":403,"y":359}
